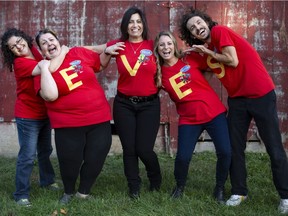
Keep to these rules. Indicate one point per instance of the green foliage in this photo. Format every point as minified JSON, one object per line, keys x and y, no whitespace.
{"x":110,"y":191}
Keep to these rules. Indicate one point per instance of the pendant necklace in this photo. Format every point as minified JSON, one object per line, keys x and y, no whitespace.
{"x":137,"y":47}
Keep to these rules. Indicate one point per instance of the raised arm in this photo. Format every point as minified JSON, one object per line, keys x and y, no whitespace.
{"x":49,"y":90}
{"x":105,"y":56}
{"x":228,"y":56}
{"x":98,"y":48}
{"x":55,"y":62}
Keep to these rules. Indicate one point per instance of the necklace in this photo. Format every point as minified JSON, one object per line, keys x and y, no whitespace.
{"x":137,"y":47}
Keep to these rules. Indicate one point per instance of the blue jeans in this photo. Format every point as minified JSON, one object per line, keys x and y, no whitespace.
{"x":34,"y":137}
{"x":187,"y":139}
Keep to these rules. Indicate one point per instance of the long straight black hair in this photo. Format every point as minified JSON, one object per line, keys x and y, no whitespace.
{"x":126,"y":19}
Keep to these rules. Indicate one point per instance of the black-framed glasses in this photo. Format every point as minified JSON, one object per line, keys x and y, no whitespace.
{"x":18,"y":41}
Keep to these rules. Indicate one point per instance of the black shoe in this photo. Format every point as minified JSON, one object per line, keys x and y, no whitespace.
{"x":155,"y":182}
{"x":134,"y":194}
{"x":177,"y":192}
{"x":154,"y":187}
{"x":219,"y":195}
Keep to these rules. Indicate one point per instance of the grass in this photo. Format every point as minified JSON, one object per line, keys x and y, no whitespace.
{"x":110,"y":191}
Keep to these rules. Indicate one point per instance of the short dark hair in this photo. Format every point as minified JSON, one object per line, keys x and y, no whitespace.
{"x":125,"y":22}
{"x":185,"y":34}
{"x":45,"y":31}
{"x":8,"y":55}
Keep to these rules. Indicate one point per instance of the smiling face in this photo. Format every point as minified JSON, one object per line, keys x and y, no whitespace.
{"x":135,"y":28}
{"x":49,"y":45}
{"x":198,"y":28}
{"x":18,"y":46}
{"x":166,"y":49}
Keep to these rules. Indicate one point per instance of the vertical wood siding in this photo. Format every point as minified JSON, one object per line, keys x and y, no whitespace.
{"x":262,"y":23}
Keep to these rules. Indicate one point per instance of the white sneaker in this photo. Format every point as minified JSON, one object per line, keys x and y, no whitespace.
{"x":283,"y":206}
{"x":83,"y":196}
{"x":235,"y":200}
{"x":24,"y":202}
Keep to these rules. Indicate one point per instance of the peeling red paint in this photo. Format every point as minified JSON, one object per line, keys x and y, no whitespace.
{"x":262,"y":23}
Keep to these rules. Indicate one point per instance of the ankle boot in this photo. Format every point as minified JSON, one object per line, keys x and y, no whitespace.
{"x":177,"y":192}
{"x":219,"y":194}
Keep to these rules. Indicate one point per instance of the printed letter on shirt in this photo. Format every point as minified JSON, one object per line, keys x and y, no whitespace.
{"x":177,"y":86}
{"x":216,"y":65}
{"x":68,"y":78}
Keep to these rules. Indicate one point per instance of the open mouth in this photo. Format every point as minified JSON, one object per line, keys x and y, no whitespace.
{"x":135,"y":30}
{"x":52,"y":50}
{"x":201,"y":32}
{"x":166,"y":53}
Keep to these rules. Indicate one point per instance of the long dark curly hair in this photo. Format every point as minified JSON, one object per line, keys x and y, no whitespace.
{"x":185,"y":34}
{"x":8,"y":55}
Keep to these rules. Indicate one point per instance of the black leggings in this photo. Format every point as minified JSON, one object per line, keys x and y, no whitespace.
{"x":137,"y":126}
{"x":82,"y":150}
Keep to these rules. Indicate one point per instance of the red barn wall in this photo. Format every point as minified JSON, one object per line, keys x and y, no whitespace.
{"x":78,"y":23}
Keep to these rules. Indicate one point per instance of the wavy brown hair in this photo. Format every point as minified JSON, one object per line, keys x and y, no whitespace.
{"x":8,"y":55}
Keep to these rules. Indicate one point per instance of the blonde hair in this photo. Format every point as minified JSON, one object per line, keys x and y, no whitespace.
{"x":159,"y":59}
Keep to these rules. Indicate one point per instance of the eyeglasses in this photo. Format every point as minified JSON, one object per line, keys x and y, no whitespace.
{"x":17,"y":43}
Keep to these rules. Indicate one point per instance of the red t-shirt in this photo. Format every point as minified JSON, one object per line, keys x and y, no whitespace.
{"x":28,"y":104}
{"x":195,"y":100}
{"x":81,"y":100}
{"x":250,"y":78}
{"x":136,"y":68}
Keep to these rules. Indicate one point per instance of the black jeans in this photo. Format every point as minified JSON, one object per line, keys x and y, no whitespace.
{"x":263,"y":111}
{"x":137,"y":125}
{"x":82,"y":150}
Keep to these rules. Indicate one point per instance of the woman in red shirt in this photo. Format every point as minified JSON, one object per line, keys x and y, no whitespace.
{"x":136,"y":108}
{"x":33,"y":126}
{"x":199,"y":109}
{"x":79,"y":113}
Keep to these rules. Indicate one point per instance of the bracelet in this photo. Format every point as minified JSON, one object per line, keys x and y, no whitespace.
{"x":105,"y":51}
